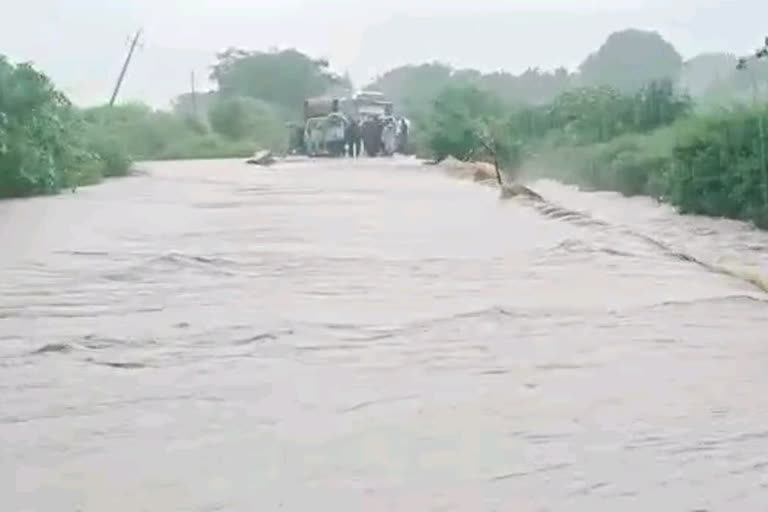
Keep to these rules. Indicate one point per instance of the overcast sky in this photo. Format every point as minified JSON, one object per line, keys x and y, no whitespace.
{"x":81,"y":43}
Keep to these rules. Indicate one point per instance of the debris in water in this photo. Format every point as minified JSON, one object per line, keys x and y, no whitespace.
{"x":264,"y":158}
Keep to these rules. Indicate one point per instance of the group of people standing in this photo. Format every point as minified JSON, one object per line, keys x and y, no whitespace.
{"x":375,"y":136}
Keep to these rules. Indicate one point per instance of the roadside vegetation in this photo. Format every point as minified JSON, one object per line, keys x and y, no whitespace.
{"x":47,"y":144}
{"x":612,"y":129}
{"x":255,"y":95}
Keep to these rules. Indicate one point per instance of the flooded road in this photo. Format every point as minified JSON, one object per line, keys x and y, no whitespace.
{"x":374,"y":335}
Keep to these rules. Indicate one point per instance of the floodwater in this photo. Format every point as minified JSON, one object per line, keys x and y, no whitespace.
{"x":375,"y":335}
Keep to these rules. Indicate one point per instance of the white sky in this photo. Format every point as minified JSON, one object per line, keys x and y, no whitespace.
{"x":81,"y":43}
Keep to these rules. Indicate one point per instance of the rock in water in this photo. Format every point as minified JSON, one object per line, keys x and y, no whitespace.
{"x":264,"y":157}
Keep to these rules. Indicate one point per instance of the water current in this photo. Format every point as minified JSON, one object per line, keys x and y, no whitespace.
{"x":376,"y":335}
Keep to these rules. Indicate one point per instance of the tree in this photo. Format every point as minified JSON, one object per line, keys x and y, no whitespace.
{"x":412,"y":88}
{"x":658,"y":104}
{"x":39,"y":145}
{"x":470,"y":123}
{"x":239,"y":118}
{"x":533,"y":86}
{"x":284,"y":78}
{"x":630,"y":59}
{"x":457,"y":113}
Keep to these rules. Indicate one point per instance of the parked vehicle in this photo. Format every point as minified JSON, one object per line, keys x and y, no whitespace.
{"x":334,"y":129}
{"x":326,"y":119}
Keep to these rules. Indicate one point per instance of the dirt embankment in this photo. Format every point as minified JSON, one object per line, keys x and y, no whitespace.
{"x":485,"y":174}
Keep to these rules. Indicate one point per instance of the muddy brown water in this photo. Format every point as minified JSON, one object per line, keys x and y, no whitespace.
{"x":374,"y":335}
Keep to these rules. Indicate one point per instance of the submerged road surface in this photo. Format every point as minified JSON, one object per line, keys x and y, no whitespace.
{"x":374,"y":335}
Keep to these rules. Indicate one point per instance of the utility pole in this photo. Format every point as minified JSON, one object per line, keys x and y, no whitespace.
{"x":120,"y":78}
{"x":194,"y":94}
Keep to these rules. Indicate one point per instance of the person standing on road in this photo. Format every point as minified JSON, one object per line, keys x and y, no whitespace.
{"x":352,"y":137}
{"x":358,"y":139}
{"x":403,"y":136}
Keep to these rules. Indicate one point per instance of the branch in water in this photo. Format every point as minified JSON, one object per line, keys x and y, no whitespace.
{"x":494,"y":152}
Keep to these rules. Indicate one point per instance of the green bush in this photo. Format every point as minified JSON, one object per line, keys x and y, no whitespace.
{"x":242,"y":118}
{"x":238,"y":128}
{"x":143,"y":133}
{"x":718,"y":166}
{"x":211,"y":145}
{"x":711,"y":164}
{"x":42,"y":138}
{"x":110,"y":153}
{"x":469,"y":123}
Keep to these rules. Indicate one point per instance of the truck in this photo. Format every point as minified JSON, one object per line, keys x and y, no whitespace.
{"x":322,"y":131}
{"x":326,"y":118}
{"x":320,"y":106}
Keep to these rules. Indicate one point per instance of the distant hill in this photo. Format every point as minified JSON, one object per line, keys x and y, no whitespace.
{"x":707,"y":71}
